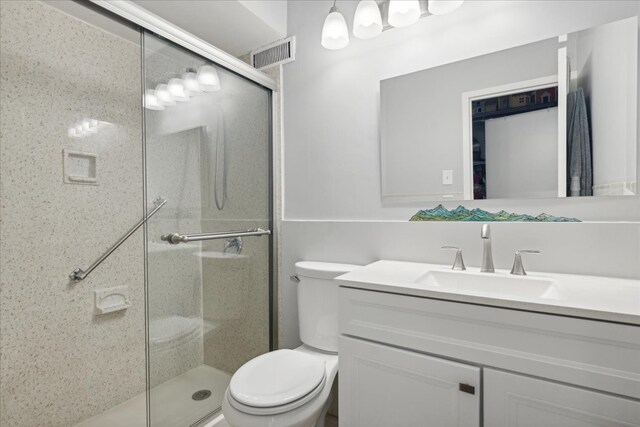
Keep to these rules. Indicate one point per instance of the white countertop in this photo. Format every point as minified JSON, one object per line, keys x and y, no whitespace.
{"x":590,"y":297}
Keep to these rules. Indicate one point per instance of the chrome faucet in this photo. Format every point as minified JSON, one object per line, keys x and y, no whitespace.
{"x":518,"y":268}
{"x":458,"y":264}
{"x":487,"y":256}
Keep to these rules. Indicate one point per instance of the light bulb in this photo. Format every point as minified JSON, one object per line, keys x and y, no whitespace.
{"x":163,"y":95}
{"x":367,"y":23}
{"x":208,"y":79}
{"x":176,"y":89}
{"x":190,"y":81}
{"x":335,"y":34}
{"x":403,"y":12}
{"x":441,"y":7}
{"x":151,"y":100}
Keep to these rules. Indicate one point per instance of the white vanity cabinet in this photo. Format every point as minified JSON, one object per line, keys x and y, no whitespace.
{"x":512,"y":400}
{"x":384,"y":386}
{"x":403,"y":359}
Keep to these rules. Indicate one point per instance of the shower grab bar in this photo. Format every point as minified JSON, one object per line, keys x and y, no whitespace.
{"x":79,"y":274}
{"x":175,"y":238}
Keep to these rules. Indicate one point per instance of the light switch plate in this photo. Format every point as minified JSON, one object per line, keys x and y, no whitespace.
{"x":447,"y":177}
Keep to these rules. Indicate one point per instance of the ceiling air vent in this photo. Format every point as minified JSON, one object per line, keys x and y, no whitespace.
{"x":277,"y":53}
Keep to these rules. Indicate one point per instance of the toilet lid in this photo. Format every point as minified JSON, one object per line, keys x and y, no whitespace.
{"x":277,"y":378}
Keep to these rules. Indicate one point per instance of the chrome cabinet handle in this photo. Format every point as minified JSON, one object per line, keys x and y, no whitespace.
{"x":458,"y":263}
{"x":518,"y":268}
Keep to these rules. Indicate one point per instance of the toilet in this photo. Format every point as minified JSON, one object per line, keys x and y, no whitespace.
{"x":292,"y":388}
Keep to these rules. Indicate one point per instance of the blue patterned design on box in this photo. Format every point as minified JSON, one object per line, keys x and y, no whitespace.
{"x":440,"y":213}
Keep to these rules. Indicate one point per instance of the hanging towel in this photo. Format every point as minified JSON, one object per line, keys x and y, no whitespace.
{"x":579,"y":166}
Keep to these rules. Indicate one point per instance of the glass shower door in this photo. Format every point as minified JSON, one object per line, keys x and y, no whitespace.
{"x":207,"y":152}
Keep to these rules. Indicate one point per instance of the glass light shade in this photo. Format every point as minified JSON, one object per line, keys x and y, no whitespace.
{"x":151,"y":101}
{"x":164,"y":96}
{"x":335,"y":34}
{"x":441,"y":7}
{"x":403,"y":13}
{"x":190,"y":81}
{"x":367,"y":23}
{"x":176,"y":89}
{"x":208,"y":79}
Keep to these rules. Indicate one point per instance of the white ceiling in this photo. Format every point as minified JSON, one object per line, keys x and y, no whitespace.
{"x":236,"y":27}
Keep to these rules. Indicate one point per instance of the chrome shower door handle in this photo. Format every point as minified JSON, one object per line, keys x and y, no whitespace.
{"x":175,"y":238}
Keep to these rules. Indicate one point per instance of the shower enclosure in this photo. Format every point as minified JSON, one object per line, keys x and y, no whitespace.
{"x":208,"y":300}
{"x":111,"y":316}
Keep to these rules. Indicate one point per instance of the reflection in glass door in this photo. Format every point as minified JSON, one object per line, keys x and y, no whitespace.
{"x":207,"y":151}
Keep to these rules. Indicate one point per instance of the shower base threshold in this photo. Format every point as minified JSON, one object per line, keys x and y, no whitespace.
{"x":171,"y":402}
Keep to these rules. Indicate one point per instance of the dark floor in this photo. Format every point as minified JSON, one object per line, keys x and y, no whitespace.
{"x":330,"y":421}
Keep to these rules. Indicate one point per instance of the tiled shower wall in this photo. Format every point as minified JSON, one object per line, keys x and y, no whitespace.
{"x":60,"y":362}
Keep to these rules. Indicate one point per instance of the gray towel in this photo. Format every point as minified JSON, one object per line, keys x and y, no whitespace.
{"x":579,"y":164}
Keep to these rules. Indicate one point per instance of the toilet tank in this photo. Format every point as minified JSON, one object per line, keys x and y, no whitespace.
{"x":318,"y":303}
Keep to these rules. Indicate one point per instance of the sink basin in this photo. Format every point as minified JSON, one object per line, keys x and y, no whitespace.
{"x":606,"y":298}
{"x":499,"y":285}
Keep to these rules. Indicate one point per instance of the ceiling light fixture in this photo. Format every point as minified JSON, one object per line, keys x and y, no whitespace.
{"x":403,"y":13}
{"x":208,"y":79}
{"x":190,"y":81}
{"x":367,"y":22}
{"x":176,"y":89}
{"x":442,"y":7}
{"x":163,"y":95}
{"x":335,"y":34}
{"x":151,"y":100}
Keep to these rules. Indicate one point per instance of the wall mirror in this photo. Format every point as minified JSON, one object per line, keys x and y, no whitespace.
{"x":555,"y":118}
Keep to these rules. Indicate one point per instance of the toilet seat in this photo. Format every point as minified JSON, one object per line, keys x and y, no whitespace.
{"x":277,"y":382}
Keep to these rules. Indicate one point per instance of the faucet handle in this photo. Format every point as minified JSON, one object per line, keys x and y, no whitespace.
{"x":458,"y":264}
{"x":518,"y":268}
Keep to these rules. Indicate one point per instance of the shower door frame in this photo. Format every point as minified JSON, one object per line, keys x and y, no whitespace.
{"x":139,"y":16}
{"x":147,"y":21}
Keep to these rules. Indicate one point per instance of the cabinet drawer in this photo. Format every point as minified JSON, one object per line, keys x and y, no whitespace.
{"x":385,"y":386}
{"x":597,"y":355}
{"x":512,"y":400}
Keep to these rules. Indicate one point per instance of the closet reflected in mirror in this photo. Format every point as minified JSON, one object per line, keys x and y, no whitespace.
{"x":555,"y":118}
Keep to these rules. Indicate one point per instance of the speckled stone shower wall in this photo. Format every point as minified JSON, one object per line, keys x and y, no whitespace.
{"x":59,"y":362}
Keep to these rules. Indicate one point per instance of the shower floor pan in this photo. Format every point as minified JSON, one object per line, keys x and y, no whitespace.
{"x":172,"y":404}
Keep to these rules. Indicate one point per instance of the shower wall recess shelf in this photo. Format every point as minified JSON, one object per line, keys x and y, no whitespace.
{"x":79,"y":167}
{"x":110,"y":300}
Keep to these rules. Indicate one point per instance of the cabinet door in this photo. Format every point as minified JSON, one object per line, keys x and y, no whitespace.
{"x":518,"y":401}
{"x":389,"y":387}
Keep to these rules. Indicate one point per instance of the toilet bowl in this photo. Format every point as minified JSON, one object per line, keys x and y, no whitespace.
{"x":292,"y":388}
